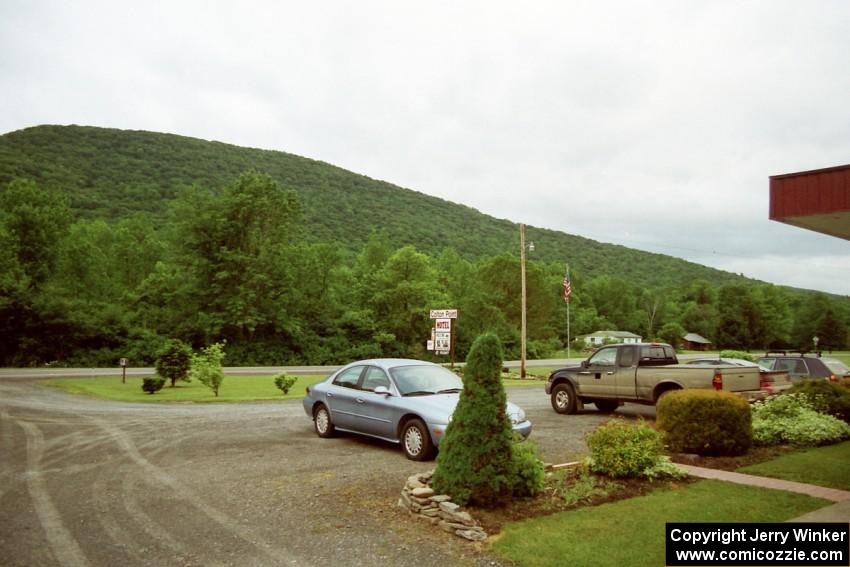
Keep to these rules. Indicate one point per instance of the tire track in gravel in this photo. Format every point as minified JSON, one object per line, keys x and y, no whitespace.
{"x":113,"y":524}
{"x":6,"y":471}
{"x":124,"y":442}
{"x":62,"y":544}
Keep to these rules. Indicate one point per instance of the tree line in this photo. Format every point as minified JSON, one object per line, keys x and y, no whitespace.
{"x":236,"y":266}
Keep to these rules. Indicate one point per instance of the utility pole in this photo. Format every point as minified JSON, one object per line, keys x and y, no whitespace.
{"x":522,"y":270}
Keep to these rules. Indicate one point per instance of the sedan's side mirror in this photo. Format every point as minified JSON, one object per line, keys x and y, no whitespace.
{"x":584,"y":364}
{"x":382,"y":390}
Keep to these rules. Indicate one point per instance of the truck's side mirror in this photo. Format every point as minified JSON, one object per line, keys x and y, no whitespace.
{"x":584,"y":364}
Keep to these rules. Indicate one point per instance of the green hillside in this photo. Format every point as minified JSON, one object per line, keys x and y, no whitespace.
{"x":112,"y":173}
{"x":113,"y":242}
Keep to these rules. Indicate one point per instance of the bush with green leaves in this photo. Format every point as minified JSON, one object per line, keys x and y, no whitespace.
{"x":206,"y":367}
{"x":620,"y":449}
{"x":791,"y":418}
{"x":580,"y":485}
{"x":825,"y":397}
{"x":705,"y":422}
{"x":174,"y":360}
{"x":153,"y":384}
{"x":474,"y":464}
{"x":527,"y":472}
{"x":737,"y":354}
{"x":284,"y":382}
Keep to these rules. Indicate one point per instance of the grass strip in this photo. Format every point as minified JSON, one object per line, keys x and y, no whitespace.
{"x":824,"y":466}
{"x":631,"y":532}
{"x":233,"y":389}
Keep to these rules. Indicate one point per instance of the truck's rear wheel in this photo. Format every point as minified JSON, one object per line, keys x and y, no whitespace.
{"x":606,"y":406}
{"x":664,"y":393}
{"x":564,"y":398}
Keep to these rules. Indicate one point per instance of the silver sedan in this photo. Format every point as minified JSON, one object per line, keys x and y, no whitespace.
{"x":399,"y":400}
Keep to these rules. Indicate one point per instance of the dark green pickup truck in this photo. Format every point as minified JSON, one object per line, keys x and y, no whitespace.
{"x":642,"y":373}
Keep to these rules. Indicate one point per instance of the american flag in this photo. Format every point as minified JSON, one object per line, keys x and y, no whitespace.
{"x":567,"y":287}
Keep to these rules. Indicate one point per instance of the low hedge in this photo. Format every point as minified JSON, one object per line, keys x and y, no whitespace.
{"x":705,"y":422}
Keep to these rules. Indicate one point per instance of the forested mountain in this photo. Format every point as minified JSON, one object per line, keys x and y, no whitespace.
{"x":113,"y":242}
{"x":111,"y":174}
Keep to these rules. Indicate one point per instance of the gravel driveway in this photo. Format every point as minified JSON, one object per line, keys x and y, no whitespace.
{"x":89,"y":482}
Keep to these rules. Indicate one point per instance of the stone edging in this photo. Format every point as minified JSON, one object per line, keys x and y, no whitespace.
{"x":418,"y":498}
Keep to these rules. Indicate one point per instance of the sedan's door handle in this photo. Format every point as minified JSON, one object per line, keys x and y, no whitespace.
{"x":328,"y":394}
{"x":360,"y":401}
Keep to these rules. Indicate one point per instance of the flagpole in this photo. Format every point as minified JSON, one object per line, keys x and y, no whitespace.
{"x":568,"y":318}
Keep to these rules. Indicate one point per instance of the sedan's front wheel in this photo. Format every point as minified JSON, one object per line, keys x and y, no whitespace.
{"x":416,"y":442}
{"x":322,"y":422}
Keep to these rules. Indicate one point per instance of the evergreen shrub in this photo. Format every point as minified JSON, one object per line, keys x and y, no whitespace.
{"x":174,"y":360}
{"x":153,"y":384}
{"x":619,"y":449}
{"x":706,"y":422}
{"x":825,"y":397}
{"x":474,"y":464}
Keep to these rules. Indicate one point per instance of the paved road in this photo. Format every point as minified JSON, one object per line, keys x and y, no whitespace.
{"x":54,"y":372}
{"x":87,"y":482}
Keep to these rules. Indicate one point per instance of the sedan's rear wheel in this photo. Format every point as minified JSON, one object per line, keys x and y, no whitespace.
{"x":416,"y":442}
{"x":322,"y":422}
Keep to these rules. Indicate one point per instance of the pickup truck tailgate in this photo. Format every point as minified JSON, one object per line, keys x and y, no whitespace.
{"x":740,"y":379}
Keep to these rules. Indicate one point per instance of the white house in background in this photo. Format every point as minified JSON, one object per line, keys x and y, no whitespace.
{"x":600,"y":337}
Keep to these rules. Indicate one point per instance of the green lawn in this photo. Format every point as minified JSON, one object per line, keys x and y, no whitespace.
{"x":233,"y":389}
{"x":631,"y":532}
{"x":516,"y":382}
{"x":824,"y":466}
{"x":842,"y":356}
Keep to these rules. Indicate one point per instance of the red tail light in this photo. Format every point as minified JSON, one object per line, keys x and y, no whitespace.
{"x":717,"y":381}
{"x":833,"y":378}
{"x":765,"y":383}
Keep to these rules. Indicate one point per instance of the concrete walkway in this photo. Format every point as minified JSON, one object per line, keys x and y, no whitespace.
{"x":838,"y":512}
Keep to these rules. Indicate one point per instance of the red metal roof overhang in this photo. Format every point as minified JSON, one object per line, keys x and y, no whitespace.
{"x":818,"y":200}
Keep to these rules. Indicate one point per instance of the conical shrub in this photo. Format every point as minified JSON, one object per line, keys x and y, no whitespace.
{"x":474,"y":463}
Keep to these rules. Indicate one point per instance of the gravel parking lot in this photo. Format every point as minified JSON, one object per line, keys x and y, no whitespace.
{"x":89,"y":482}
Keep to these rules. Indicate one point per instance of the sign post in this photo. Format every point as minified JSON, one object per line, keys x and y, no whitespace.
{"x":123,"y":363}
{"x":442,"y":335}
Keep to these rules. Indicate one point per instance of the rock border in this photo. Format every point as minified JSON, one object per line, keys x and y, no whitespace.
{"x":420,"y":500}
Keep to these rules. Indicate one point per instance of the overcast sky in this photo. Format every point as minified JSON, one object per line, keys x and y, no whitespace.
{"x":649,"y":124}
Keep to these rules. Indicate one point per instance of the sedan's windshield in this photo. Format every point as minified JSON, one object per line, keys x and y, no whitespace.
{"x":421,"y":380}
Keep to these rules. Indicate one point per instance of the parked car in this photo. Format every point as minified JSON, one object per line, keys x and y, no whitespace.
{"x":839,"y":369}
{"x":641,"y":373}
{"x":800,"y":366}
{"x":771,"y":381}
{"x":402,"y":401}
